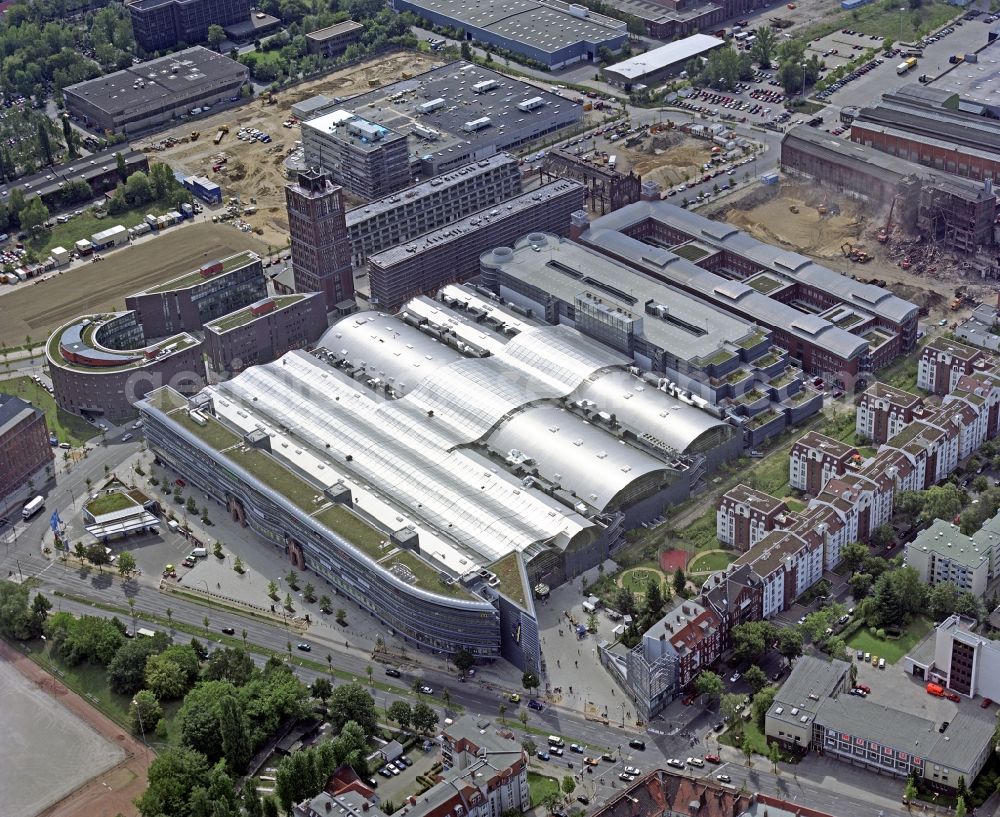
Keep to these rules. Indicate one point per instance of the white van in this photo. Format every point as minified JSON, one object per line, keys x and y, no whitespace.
{"x":195,"y":552}
{"x":173,"y":525}
{"x":555,"y":740}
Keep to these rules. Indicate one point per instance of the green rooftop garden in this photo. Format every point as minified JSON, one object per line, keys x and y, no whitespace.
{"x":737,"y":376}
{"x":354,"y":529}
{"x":692,"y":252}
{"x":273,"y":474}
{"x":767,"y":360}
{"x":750,"y":397}
{"x":243,"y":316}
{"x":427,"y":577}
{"x":800,"y":397}
{"x":109,"y":503}
{"x":784,"y":378}
{"x":213,"y":432}
{"x":718,"y":357}
{"x":875,"y":338}
{"x":510,"y":578}
{"x":752,"y":340}
{"x":762,"y":418}
{"x":189,"y":279}
{"x":764,"y":283}
{"x":849,"y":320}
{"x":166,"y":399}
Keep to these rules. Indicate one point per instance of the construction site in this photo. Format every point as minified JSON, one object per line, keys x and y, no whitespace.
{"x":840,"y":231}
{"x":251,"y":170}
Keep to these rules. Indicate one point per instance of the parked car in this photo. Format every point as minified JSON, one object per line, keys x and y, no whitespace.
{"x":576,"y":747}
{"x":635,"y":743}
{"x":542,"y":755}
{"x":724,"y":778}
{"x":538,"y":706}
{"x":713,"y":758}
{"x":675,"y":763}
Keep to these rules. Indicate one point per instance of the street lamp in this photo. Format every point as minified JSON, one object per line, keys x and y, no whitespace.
{"x":803,"y":67}
{"x":901,"y":10}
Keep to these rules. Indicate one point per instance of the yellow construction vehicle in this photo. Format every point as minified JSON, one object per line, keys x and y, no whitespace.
{"x":194,"y":135}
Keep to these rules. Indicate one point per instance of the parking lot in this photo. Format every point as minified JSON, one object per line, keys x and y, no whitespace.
{"x":893,"y":687}
{"x":400,"y":783}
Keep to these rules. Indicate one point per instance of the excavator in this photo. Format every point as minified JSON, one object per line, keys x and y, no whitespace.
{"x":855,"y":253}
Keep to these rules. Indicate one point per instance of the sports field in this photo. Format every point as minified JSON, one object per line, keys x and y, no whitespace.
{"x":36,"y":309}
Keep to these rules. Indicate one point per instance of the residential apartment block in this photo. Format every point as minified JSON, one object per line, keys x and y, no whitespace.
{"x":942,"y":362}
{"x":815,"y":459}
{"x":883,"y":411}
{"x":942,"y":553}
{"x":745,"y":516}
{"x":429,"y":205}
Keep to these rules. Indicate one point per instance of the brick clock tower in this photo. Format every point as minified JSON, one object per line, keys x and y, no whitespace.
{"x":321,"y":252}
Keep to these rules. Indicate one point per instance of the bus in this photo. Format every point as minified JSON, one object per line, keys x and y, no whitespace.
{"x":33,"y":507}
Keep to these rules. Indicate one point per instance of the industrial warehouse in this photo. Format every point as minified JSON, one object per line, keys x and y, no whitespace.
{"x":435,"y":465}
{"x":427,"y":125}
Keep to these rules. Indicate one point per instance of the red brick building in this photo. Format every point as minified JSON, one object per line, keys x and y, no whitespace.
{"x":816,"y":458}
{"x":24,"y":450}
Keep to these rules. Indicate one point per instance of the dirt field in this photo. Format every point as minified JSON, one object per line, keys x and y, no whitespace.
{"x":255,"y":169}
{"x":37,"y":309}
{"x":109,"y":793}
{"x":767,"y":214}
{"x":668,"y":158}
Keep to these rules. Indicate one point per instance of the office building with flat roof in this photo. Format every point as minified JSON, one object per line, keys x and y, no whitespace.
{"x":451,"y":253}
{"x":157,"y":92}
{"x":189,"y":301}
{"x":264,"y":331}
{"x":162,"y":24}
{"x":321,"y":253}
{"x":661,"y":62}
{"x":413,"y":211}
{"x":848,"y":330}
{"x":101,"y":365}
{"x":707,"y":356}
{"x":362,"y":156}
{"x":25,"y":450}
{"x":551,"y":32}
{"x":451,"y":116}
{"x":332,"y":41}
{"x":960,"y":656}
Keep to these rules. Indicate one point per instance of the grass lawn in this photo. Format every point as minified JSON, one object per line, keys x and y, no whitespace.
{"x":637,"y":579}
{"x":541,"y":786}
{"x":68,"y":428}
{"x":882,"y":18}
{"x":716,"y":560}
{"x":890,"y":649}
{"x":701,"y":534}
{"x":108,"y":503}
{"x":750,"y":733}
{"x":795,"y":506}
{"x":86,"y":224}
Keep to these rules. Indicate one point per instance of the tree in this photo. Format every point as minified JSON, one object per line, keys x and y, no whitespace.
{"x":861,"y":585}
{"x":761,"y":704}
{"x":941,"y":502}
{"x":910,"y":792}
{"x":568,"y":785}
{"x":138,"y":190}
{"x":655,"y":602}
{"x":680,"y":581}
{"x":522,"y":716}
{"x":69,"y":136}
{"x":292,"y":579}
{"x":288,"y":602}
{"x":309,"y":593}
{"x":252,"y":805}
{"x":172,"y":776}
{"x":774,"y":755}
{"x":216,"y":34}
{"x":401,"y":713}
{"x":321,"y":689}
{"x":763,"y":46}
{"x":790,"y":643}
{"x":127,"y":670}
{"x":502,"y":709}
{"x":729,"y":708}
{"x":624,"y":602}
{"x":144,"y":712}
{"x":324,"y":604}
{"x":747,"y":748}
{"x":272,"y":589}
{"x":708,"y":684}
{"x":351,"y":702}
{"x":44,"y":143}
{"x":235,"y":734}
{"x":463,"y":661}
{"x":755,"y":678}
{"x":751,"y":640}
{"x":424,"y":718}
{"x":165,"y":678}
{"x":18,"y":618}
{"x":122,"y":166}
{"x":230,"y":664}
{"x":341,"y":616}
{"x":34,"y":215}
{"x":238,"y":565}
{"x":530,"y":681}
{"x":126,"y":564}
{"x":960,"y":810}
{"x":853,"y":555}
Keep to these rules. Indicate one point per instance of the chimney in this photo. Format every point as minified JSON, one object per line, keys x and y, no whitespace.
{"x":988,"y":186}
{"x":364,"y":806}
{"x":328,"y":805}
{"x":578,"y":223}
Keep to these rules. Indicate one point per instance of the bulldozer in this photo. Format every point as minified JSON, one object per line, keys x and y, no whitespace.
{"x":194,"y":135}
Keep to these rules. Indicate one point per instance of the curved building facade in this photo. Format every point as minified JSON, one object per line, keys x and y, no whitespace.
{"x":435,"y":465}
{"x":101,"y":365}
